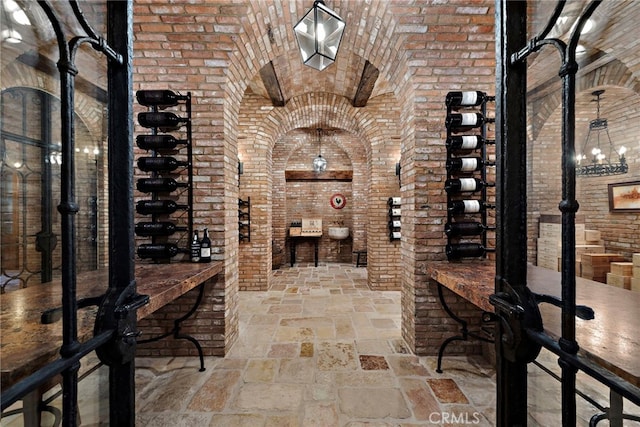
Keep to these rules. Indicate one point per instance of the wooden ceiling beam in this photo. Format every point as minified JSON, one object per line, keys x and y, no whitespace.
{"x":365,"y":87}
{"x":270,"y":80}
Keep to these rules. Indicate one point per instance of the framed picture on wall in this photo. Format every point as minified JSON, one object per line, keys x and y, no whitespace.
{"x":624,"y":197}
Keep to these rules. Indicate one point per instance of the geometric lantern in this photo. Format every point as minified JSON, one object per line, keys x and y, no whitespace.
{"x":319,"y":34}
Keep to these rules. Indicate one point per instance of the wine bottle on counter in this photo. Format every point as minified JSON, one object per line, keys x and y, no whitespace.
{"x":458,"y":122}
{"x":205,"y":247}
{"x":468,"y":206}
{"x":465,"y":250}
{"x":158,"y":185}
{"x":166,"y":121}
{"x":466,"y":164}
{"x":471,"y":98}
{"x":461,"y":185}
{"x":157,"y":164}
{"x":195,"y":247}
{"x":150,"y":207}
{"x":159,"y":142}
{"x":467,"y":142}
{"x":163,"y":228}
{"x":158,"y":250}
{"x":471,"y":228}
{"x":159,"y":98}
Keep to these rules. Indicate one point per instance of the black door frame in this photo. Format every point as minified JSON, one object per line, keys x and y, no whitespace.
{"x":115,"y":328}
{"x":520,"y":331}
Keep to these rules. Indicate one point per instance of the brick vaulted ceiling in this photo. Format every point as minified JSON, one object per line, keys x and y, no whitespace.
{"x":378,"y":32}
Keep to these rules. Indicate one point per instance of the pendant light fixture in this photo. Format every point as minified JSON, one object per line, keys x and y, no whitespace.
{"x":601,"y":164}
{"x":319,"y":163}
{"x":319,"y":34}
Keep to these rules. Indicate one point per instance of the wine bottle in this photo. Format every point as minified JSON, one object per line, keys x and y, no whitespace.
{"x":159,"y":142}
{"x":163,"y":228}
{"x":166,"y":121}
{"x":159,"y":98}
{"x":464,"y":121}
{"x":471,"y":98}
{"x":467,"y":142}
{"x":468,"y":206}
{"x":195,"y":247}
{"x":242,"y":203}
{"x":465,"y":250}
{"x":156,"y":164}
{"x":158,"y":250}
{"x":466,"y":164}
{"x":394,"y":201}
{"x":395,"y":235}
{"x":205,"y":247}
{"x":158,"y":185}
{"x":395,"y":211}
{"x":458,"y":229}
{"x":395,"y":223}
{"x":150,"y":207}
{"x":460,"y":185}
{"x":243,"y":236}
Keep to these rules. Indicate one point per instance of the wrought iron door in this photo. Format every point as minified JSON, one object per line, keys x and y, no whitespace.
{"x":70,"y":29}
{"x":521,"y":330}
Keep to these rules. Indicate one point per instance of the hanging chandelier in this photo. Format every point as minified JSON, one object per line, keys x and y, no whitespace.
{"x":319,"y":34}
{"x":600,"y":164}
{"x":319,"y":163}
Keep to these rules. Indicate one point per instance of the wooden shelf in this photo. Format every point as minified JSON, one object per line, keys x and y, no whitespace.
{"x":318,"y":176}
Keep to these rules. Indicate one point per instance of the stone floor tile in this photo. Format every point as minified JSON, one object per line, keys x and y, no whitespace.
{"x":284,"y":350}
{"x":335,"y":356}
{"x":405,"y":366}
{"x":236,"y":420}
{"x":446,"y":390}
{"x":214,"y":394}
{"x":373,"y":363}
{"x":282,"y":420}
{"x":260,"y":370}
{"x":373,"y":403}
{"x":269,"y":397}
{"x":423,"y":402}
{"x":320,"y":414}
{"x":298,"y":370}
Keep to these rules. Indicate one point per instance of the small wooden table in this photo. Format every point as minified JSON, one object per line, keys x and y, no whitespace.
{"x":294,"y":240}
{"x":27,"y":345}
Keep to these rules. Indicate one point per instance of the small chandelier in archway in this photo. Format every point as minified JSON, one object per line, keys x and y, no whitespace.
{"x":319,"y":34}
{"x":319,"y":163}
{"x":601,"y":164}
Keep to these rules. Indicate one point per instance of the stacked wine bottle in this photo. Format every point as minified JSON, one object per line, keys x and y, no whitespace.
{"x":166,"y":206}
{"x":394,"y":218}
{"x":467,"y":179}
{"x":244,"y":220}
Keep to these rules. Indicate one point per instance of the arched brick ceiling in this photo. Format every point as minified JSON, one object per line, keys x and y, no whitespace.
{"x":613,"y":37}
{"x":368,"y":27}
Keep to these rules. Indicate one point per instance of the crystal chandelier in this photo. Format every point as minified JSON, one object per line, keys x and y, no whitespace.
{"x":319,"y":163}
{"x":601,"y":164}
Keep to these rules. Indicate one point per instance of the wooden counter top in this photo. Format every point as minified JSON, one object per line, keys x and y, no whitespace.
{"x":612,"y":339}
{"x":26,"y":345}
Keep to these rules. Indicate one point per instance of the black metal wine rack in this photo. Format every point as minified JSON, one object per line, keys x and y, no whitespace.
{"x":183,"y":174}
{"x":244,"y":219}
{"x":469,"y":244}
{"x":394,"y":218}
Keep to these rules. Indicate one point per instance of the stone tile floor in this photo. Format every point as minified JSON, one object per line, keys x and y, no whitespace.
{"x":318,"y":349}
{"x":321,"y":349}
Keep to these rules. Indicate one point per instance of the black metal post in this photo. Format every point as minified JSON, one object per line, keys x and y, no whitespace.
{"x":511,"y":196}
{"x":121,"y":223}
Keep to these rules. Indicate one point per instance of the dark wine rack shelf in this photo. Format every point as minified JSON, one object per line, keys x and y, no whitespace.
{"x":473,"y":244}
{"x":183,"y":174}
{"x":394,"y":218}
{"x":244,"y":219}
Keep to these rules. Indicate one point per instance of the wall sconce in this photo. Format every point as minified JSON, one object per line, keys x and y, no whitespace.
{"x":319,"y":34}
{"x":398,"y":167}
